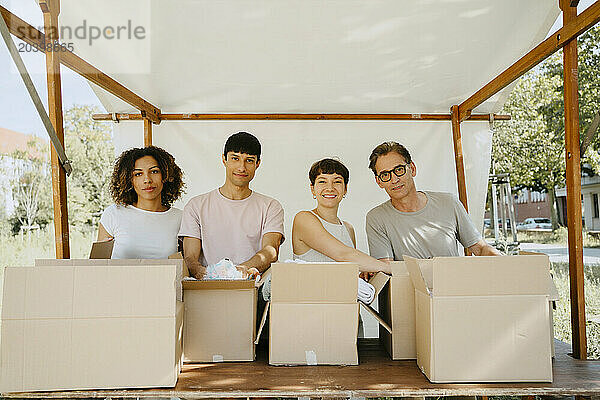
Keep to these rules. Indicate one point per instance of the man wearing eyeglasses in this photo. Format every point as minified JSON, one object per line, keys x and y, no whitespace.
{"x":416,"y":223}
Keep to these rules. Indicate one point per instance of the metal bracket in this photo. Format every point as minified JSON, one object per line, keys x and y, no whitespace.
{"x":115,"y":117}
{"x":35,"y":97}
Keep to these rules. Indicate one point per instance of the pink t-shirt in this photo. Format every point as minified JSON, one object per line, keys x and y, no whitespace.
{"x":230,"y":228}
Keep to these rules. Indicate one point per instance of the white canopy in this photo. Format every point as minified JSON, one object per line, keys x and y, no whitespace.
{"x":303,"y":56}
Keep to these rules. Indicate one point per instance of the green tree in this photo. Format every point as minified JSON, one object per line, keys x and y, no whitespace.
{"x":531,"y":146}
{"x":588,"y":47}
{"x":89,"y":146}
{"x":28,"y":172}
{"x":523,"y":146}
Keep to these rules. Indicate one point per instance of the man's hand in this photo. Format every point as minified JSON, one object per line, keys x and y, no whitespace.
{"x":482,"y":248}
{"x":367,"y":275}
{"x":248,"y":272}
{"x":267,"y":254}
{"x":191,"y":250}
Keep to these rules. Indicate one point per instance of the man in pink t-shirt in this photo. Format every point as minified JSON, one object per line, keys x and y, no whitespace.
{"x":233,"y":221}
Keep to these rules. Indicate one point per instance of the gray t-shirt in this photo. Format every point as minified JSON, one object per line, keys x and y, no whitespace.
{"x":433,"y":231}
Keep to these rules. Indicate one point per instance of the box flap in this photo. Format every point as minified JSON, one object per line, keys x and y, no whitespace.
{"x":263,"y":321}
{"x":415,"y":266}
{"x":378,"y":317}
{"x":379,"y":280}
{"x":489,"y":275}
{"x":102,"y":250}
{"x":218,"y":284}
{"x":314,"y":282}
{"x":399,"y":268}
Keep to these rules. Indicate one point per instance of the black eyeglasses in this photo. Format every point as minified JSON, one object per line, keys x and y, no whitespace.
{"x":398,"y":170}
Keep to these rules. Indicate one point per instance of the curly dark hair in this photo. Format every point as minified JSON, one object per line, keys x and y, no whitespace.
{"x":121,"y":186}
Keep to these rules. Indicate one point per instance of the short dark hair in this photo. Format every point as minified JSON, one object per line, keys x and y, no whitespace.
{"x":242,"y":142}
{"x":328,"y":166}
{"x":386,"y":148}
{"x":121,"y":185}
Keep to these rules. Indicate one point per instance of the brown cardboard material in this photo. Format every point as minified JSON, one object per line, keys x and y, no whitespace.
{"x":59,"y":332}
{"x":102,"y":250}
{"x":397,"y":309}
{"x":313,"y":314}
{"x":220,"y":320}
{"x":174,"y":259}
{"x":482,"y":319}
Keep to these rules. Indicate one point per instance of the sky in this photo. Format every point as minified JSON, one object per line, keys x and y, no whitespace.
{"x":16,"y":108}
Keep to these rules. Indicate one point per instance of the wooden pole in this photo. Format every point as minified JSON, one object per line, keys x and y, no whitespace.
{"x":51,"y":10}
{"x":458,"y":158}
{"x":573,"y":178}
{"x":147,"y":132}
{"x":31,"y":35}
{"x":274,"y":116}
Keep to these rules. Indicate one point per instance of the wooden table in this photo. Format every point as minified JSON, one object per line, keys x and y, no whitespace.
{"x":376,"y":376}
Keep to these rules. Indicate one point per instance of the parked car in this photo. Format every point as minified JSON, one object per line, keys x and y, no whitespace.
{"x":535,"y":223}
{"x":487,"y":223}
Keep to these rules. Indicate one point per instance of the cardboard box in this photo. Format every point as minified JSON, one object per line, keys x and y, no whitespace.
{"x":219,"y":320}
{"x":102,"y":250}
{"x":482,"y":319}
{"x":175,"y":259}
{"x":68,"y":328}
{"x":396,"y":313}
{"x":313,"y":314}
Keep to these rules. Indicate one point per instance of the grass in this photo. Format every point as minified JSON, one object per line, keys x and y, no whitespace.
{"x":562,"y":314}
{"x":23,"y":250}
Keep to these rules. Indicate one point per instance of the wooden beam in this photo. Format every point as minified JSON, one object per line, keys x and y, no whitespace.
{"x":31,"y":35}
{"x":147,"y":132}
{"x":569,"y":31}
{"x":458,"y":158}
{"x":55,"y":113}
{"x":573,"y":178}
{"x":203,"y":117}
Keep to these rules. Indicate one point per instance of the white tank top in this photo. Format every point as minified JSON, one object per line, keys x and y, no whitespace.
{"x":338,"y":231}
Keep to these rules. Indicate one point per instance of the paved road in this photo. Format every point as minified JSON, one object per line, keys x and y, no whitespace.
{"x":559,"y":253}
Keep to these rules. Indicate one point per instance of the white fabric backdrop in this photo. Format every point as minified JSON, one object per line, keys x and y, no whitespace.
{"x":290,"y":147}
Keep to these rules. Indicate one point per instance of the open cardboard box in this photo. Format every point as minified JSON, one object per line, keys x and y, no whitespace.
{"x":220,"y":319}
{"x":482,"y":319}
{"x":396,"y":313}
{"x":313,"y":316}
{"x":93,"y":327}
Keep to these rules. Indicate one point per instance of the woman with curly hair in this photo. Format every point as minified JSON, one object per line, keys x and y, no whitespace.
{"x":144,"y":184}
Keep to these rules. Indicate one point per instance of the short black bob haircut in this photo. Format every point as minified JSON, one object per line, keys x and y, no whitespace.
{"x":242,"y":142}
{"x":328,"y":166}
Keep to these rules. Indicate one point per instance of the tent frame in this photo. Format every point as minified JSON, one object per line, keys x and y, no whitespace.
{"x":566,"y":37}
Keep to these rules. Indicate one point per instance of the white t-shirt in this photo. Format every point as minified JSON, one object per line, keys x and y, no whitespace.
{"x":230,"y":228}
{"x":140,"y":233}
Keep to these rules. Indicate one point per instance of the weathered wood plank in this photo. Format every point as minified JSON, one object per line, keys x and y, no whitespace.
{"x":272,"y":116}
{"x":376,"y":376}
